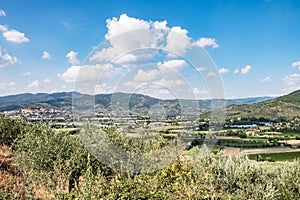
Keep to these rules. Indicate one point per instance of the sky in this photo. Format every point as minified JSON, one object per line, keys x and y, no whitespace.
{"x":250,"y":48}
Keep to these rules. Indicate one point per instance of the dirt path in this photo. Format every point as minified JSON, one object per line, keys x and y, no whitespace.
{"x":231,"y":151}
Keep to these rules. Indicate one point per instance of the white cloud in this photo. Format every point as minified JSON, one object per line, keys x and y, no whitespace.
{"x":9,"y":86}
{"x":201,"y":69}
{"x":296,"y":64}
{"x":246,"y":69}
{"x":170,"y":83}
{"x":146,"y":34}
{"x":33,"y":85}
{"x":223,"y":70}
{"x":124,"y":24}
{"x":177,"y":40}
{"x":6,"y":59}
{"x":206,"y":42}
{"x":211,"y":74}
{"x":3,"y":28}
{"x":14,"y":36}
{"x":236,"y":71}
{"x":149,"y":75}
{"x":172,"y":65}
{"x":47,"y":80}
{"x":292,"y":82}
{"x":26,"y":74}
{"x":266,"y":79}
{"x":198,"y":91}
{"x":2,"y":13}
{"x":134,"y":58}
{"x":164,"y":91}
{"x":292,"y":79}
{"x":72,"y":58}
{"x":71,"y":74}
{"x":86,"y":73}
{"x":123,"y":52}
{"x":160,"y":25}
{"x":46,"y":55}
{"x":102,"y":88}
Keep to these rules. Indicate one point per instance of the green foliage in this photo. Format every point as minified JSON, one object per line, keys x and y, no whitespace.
{"x":10,"y":129}
{"x":53,"y":158}
{"x":50,"y":159}
{"x":284,"y":156}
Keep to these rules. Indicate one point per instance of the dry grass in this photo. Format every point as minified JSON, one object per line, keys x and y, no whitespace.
{"x":10,"y":179}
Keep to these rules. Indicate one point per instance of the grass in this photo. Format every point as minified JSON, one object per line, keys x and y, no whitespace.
{"x":284,"y":156}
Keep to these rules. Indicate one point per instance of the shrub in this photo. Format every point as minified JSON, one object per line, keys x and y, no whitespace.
{"x":10,"y":129}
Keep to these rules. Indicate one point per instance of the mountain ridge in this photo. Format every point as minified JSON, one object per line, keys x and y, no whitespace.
{"x":286,"y":107}
{"x":137,"y":102}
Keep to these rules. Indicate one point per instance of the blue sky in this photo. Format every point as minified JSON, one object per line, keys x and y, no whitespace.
{"x":254,"y":44}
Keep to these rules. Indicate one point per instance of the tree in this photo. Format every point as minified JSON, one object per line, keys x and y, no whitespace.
{"x":10,"y":129}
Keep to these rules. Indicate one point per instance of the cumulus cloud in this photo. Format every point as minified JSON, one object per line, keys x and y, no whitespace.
{"x":33,"y":85}
{"x":236,"y":71}
{"x":177,"y":40}
{"x":102,"y":88}
{"x":266,"y":79}
{"x":71,"y":74}
{"x":296,"y":64}
{"x":292,"y":82}
{"x":126,"y":61}
{"x":149,"y":34}
{"x":206,"y":42}
{"x":10,"y":85}
{"x":86,"y":73}
{"x":72,"y":57}
{"x":149,"y":75}
{"x":47,"y":80}
{"x":292,"y":79}
{"x":170,"y":83}
{"x":201,"y":69}
{"x":2,"y":13}
{"x":117,"y":26}
{"x":14,"y":36}
{"x":134,"y":58}
{"x":46,"y":55}
{"x":26,"y":74}
{"x":223,"y":70}
{"x":6,"y":59}
{"x":246,"y":69}
{"x":198,"y":91}
{"x":3,"y":28}
{"x":211,"y":74}
{"x":172,"y":65}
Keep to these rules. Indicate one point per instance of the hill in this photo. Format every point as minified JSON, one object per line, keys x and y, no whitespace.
{"x":137,"y":103}
{"x":286,"y":107}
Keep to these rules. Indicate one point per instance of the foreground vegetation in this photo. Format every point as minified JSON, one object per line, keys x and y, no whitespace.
{"x":39,"y":163}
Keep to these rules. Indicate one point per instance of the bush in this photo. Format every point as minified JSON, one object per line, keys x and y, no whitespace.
{"x":10,"y":129}
{"x":52,"y":158}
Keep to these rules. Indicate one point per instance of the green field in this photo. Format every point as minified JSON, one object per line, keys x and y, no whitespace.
{"x":285,"y":156}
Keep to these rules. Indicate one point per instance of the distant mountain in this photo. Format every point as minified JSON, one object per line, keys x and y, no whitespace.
{"x":136,"y":103}
{"x":285,"y":107}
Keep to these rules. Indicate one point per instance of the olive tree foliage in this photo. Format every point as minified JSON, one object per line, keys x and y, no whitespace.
{"x":133,"y":154}
{"x":57,"y":159}
{"x":10,"y":129}
{"x":52,"y":156}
